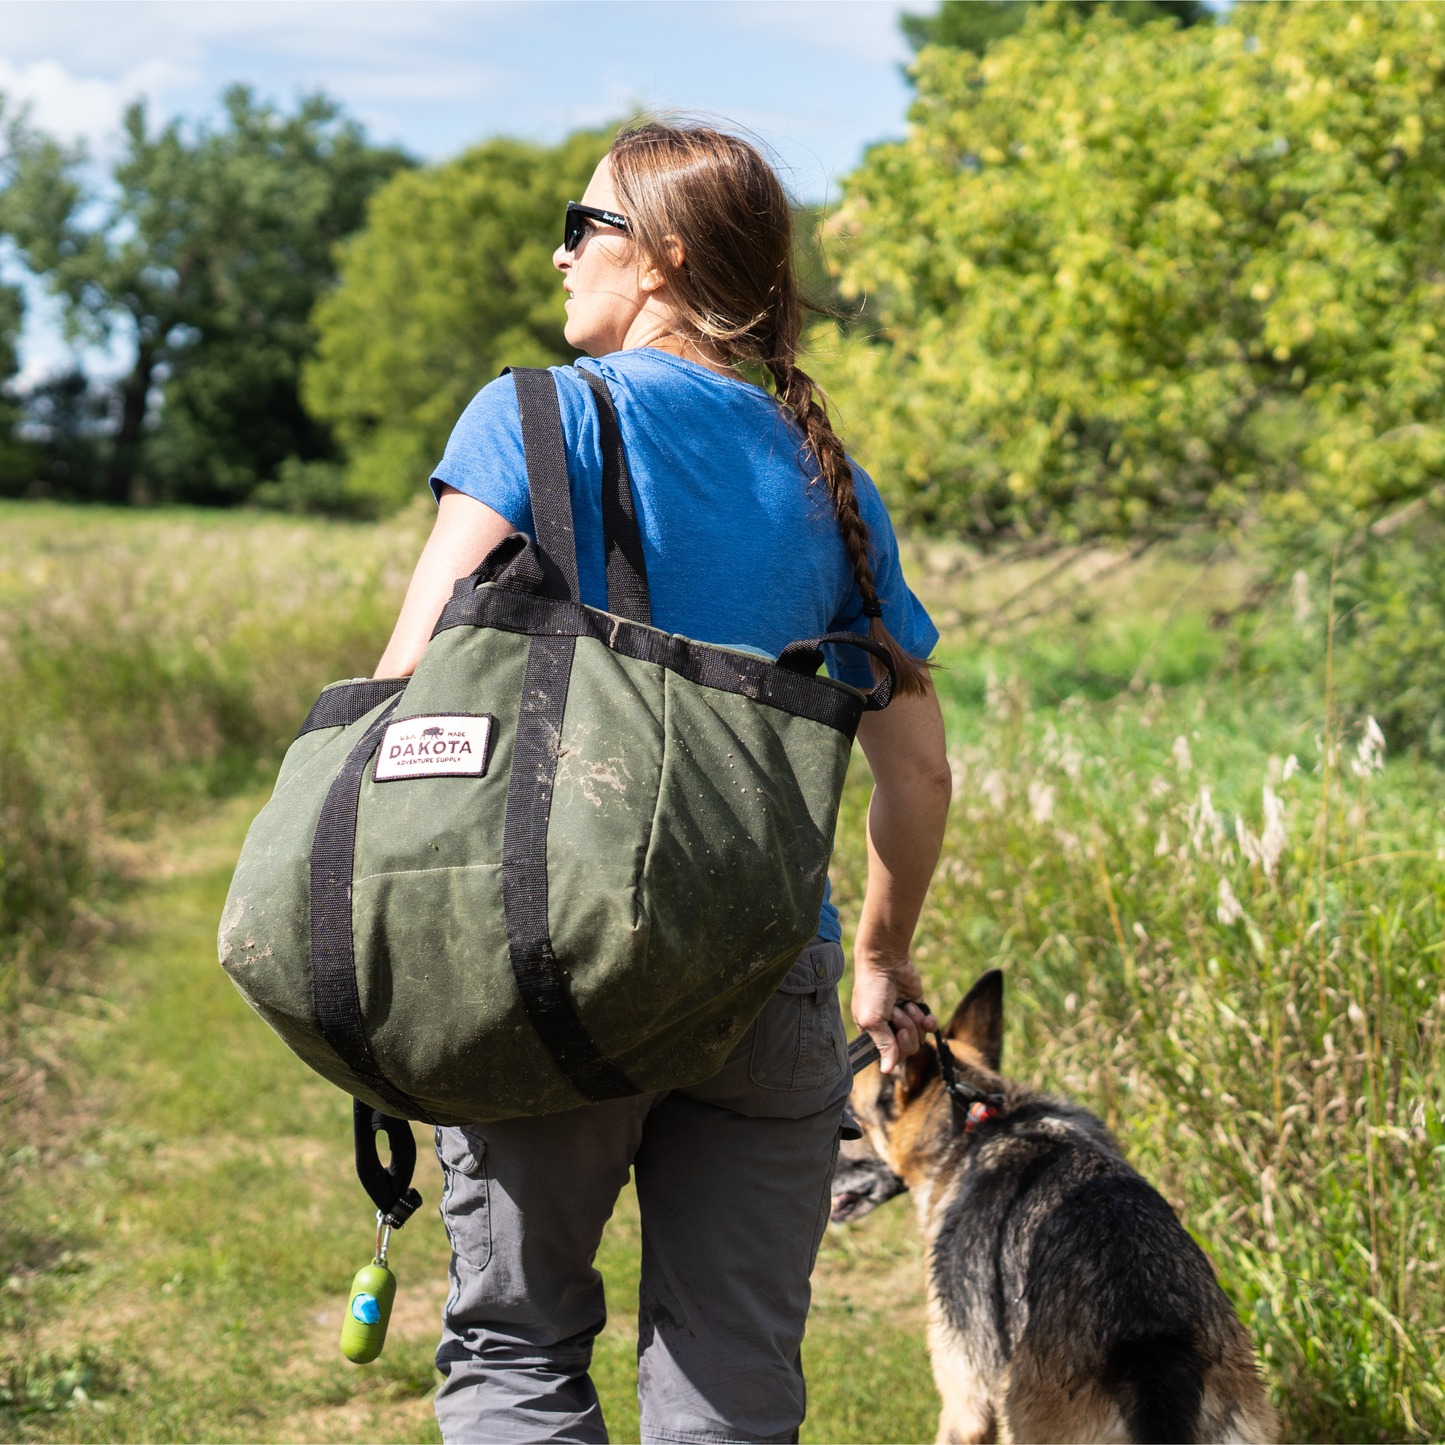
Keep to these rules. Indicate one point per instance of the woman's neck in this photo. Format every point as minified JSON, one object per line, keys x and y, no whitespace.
{"x":689,"y":350}
{"x":653,"y":326}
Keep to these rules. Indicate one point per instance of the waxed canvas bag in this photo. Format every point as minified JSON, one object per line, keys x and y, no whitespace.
{"x":568,"y":860}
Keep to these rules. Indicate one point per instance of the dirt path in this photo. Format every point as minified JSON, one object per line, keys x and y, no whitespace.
{"x":181,"y":1223}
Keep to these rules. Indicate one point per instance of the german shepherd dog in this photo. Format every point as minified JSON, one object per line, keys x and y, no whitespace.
{"x":1065,"y":1300}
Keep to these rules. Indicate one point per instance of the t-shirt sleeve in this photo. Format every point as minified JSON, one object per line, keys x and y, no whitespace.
{"x":903,"y":614}
{"x":484,"y":456}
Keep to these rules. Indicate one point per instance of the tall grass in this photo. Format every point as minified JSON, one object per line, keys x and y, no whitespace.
{"x":1222,"y":912}
{"x":148,"y":660}
{"x":1222,"y":924}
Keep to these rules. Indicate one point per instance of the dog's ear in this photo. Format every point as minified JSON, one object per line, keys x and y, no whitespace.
{"x":978,"y":1020}
{"x":919,"y":1069}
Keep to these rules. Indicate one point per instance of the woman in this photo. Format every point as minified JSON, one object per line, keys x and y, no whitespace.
{"x":757,"y":530}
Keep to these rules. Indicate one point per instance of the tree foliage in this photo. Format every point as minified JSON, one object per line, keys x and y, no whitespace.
{"x":972,"y":24}
{"x":1121,"y":278}
{"x":18,"y":460}
{"x":207,"y":253}
{"x":451,"y":280}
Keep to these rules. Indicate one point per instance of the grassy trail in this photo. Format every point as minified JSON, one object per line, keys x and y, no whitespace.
{"x":179,"y":1226}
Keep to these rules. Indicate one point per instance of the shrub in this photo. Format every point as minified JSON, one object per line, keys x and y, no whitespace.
{"x":1119,"y":280}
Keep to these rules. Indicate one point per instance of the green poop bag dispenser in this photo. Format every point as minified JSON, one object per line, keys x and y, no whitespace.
{"x":368,"y":1310}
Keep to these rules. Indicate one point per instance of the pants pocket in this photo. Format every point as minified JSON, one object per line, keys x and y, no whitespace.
{"x":798,"y":1041}
{"x":466,"y":1199}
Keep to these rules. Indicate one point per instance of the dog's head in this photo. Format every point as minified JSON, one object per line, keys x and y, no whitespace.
{"x":861,"y":1181}
{"x":907,"y":1116}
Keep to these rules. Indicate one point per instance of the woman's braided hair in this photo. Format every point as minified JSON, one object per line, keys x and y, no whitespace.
{"x":737,"y":288}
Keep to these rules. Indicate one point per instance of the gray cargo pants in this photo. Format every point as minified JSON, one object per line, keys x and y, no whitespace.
{"x":732,"y":1180}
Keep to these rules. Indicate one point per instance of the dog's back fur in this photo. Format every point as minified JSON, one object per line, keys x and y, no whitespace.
{"x":1066,"y":1301}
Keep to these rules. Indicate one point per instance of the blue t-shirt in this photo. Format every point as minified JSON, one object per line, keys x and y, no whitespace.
{"x":742,"y":550}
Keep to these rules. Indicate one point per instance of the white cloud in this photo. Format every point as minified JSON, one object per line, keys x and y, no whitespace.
{"x":88,"y":108}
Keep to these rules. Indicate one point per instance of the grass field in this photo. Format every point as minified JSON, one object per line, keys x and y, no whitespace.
{"x":1221,"y":912}
{"x":179,"y":1233}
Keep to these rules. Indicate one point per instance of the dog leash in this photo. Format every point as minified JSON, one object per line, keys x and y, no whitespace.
{"x":863,"y":1051}
{"x":978,"y":1106}
{"x":976,"y":1103}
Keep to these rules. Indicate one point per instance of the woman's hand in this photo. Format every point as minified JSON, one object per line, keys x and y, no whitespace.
{"x":881,"y":1007}
{"x":464,"y":532}
{"x":905,"y":747}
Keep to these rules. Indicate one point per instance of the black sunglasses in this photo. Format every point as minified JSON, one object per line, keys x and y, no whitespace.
{"x":579,"y":217}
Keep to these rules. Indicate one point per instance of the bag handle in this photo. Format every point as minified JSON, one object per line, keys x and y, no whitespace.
{"x":545,"y":446}
{"x":551,"y":493}
{"x":627,"y":594}
{"x":806,"y":657}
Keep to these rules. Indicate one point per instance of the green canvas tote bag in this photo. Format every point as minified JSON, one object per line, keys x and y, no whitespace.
{"x":568,"y":860}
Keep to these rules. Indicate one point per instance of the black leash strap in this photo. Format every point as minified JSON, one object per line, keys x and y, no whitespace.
{"x":960,"y":1090}
{"x":334,"y":994}
{"x":862,"y":1051}
{"x":389,"y":1185}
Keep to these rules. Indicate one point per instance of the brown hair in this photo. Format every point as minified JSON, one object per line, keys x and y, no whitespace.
{"x":737,"y":289}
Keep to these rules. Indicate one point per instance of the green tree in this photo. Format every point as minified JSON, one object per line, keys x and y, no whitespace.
{"x":207,"y":255}
{"x":972,"y":24}
{"x":20,"y":463}
{"x":450,"y":281}
{"x":1122,"y":279}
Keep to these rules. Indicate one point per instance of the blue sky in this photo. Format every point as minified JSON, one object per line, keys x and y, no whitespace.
{"x":818,"y":80}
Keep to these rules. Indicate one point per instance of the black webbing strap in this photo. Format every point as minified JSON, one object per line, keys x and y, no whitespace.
{"x":792,"y":689}
{"x":539,"y":977}
{"x":348,"y":702}
{"x":621,"y":539}
{"x":334,"y":994}
{"x":862,"y":1051}
{"x":546,"y":452}
{"x":540,"y":980}
{"x":807,"y":657}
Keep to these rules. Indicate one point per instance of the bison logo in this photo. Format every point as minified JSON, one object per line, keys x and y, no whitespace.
{"x":431,"y":732}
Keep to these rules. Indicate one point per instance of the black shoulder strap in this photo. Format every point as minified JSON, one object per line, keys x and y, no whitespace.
{"x":540,"y":978}
{"x":546,"y":450}
{"x":627,"y":594}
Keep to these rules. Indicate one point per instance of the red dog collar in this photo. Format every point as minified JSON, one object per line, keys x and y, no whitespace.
{"x":978,"y":1114}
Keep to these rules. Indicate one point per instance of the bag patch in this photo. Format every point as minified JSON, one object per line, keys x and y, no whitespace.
{"x":450,"y":745}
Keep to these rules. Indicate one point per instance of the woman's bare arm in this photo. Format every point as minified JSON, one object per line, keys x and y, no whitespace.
{"x":905,"y":747}
{"x":465,"y":531}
